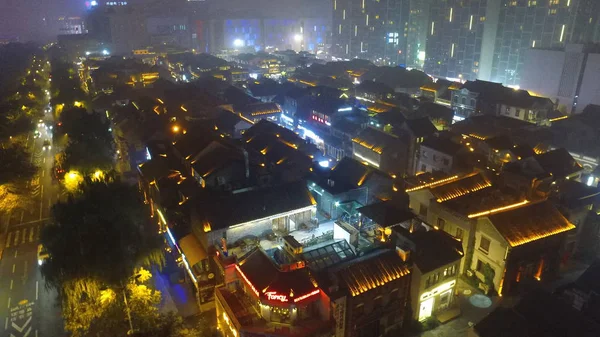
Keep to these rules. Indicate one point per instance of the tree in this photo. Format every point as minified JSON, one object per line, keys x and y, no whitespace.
{"x":16,"y":174}
{"x":96,"y":241}
{"x":90,"y":144}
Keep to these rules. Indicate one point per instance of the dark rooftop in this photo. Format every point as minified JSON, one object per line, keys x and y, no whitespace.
{"x":446,"y":146}
{"x":435,"y":249}
{"x":386,"y":214}
{"x":253,"y":205}
{"x":558,"y":162}
{"x":421,"y":127}
{"x":265,"y":276}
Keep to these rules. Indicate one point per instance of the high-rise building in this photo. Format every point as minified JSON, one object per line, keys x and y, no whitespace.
{"x":529,"y":24}
{"x":375,"y":30}
{"x":487,"y":39}
{"x":587,"y":25}
{"x":416,"y":39}
{"x":457,"y":34}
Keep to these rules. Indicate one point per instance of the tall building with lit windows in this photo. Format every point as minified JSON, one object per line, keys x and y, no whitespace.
{"x":416,"y":40}
{"x":375,"y":30}
{"x":457,"y":34}
{"x":526,"y":24}
{"x":487,"y":39}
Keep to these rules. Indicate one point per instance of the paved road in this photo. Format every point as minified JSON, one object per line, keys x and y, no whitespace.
{"x":27,"y":308}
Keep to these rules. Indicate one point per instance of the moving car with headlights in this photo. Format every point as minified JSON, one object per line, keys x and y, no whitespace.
{"x":46,"y":145}
{"x":42,"y":254}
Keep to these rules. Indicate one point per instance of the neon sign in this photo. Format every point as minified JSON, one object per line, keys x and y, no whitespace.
{"x":315,"y":292}
{"x":273,"y":296}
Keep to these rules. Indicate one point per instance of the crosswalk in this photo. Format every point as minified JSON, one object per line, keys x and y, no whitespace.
{"x":23,"y":235}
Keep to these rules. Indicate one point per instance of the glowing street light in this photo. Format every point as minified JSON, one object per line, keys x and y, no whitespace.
{"x":298,"y":37}
{"x":175,"y":128}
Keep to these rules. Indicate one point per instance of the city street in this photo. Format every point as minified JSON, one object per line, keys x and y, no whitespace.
{"x":27,"y":307}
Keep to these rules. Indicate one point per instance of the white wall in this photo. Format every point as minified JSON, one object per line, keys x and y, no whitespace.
{"x":542,"y":72}
{"x":590,"y":86}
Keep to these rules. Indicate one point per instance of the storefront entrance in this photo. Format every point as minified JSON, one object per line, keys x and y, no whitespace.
{"x":426,"y":308}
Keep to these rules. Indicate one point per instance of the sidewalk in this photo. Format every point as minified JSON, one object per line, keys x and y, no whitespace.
{"x":177,"y":297}
{"x":470,"y":314}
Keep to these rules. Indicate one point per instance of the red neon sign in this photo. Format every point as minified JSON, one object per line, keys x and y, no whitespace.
{"x":273,"y":296}
{"x":246,"y":279}
{"x":298,"y":299}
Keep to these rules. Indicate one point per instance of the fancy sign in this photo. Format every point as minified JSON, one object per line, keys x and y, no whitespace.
{"x":273,"y":296}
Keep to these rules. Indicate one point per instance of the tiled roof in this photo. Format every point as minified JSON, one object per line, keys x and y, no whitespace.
{"x":258,"y":109}
{"x":386,"y":214}
{"x":530,"y":223}
{"x":477,"y":203}
{"x":454,"y":189}
{"x":262,"y":273}
{"x":375,"y":140}
{"x":370,"y":271}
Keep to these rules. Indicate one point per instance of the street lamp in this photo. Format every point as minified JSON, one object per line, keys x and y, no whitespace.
{"x":175,"y":128}
{"x":132,"y":278}
{"x":238,"y":43}
{"x":298,"y":37}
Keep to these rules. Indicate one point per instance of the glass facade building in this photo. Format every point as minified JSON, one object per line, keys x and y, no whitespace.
{"x":487,"y":39}
{"x":375,"y":30}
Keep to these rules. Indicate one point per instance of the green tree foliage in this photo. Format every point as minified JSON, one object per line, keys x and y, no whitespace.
{"x":65,"y":85}
{"x":101,"y":234}
{"x":90,"y":144}
{"x":16,"y":173}
{"x":96,"y":241}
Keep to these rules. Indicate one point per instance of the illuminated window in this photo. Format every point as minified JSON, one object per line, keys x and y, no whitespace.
{"x":484,"y":245}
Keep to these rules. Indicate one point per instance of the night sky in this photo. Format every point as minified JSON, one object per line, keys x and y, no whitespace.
{"x":25,"y":18}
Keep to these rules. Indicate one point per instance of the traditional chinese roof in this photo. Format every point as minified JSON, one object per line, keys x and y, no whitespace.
{"x":376,"y":140}
{"x":370,"y":271}
{"x":385,"y":214}
{"x":529,"y":223}
{"x":477,"y":203}
{"x":454,"y":189}
{"x":435,"y":249}
{"x":259,"y":109}
{"x":265,"y":276}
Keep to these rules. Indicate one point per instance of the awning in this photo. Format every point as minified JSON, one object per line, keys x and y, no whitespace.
{"x":192,"y":249}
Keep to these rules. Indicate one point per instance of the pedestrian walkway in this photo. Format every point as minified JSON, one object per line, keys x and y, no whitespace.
{"x":23,"y":235}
